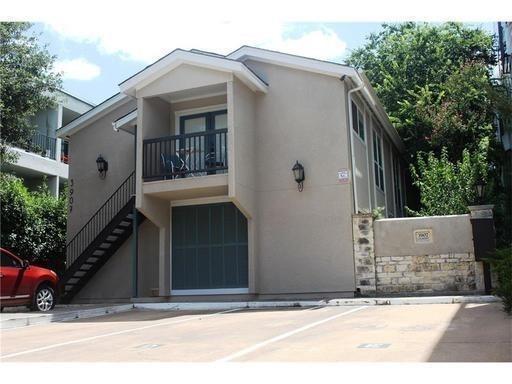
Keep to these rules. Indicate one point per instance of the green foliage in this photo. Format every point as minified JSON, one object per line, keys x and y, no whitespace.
{"x":501,"y":264}
{"x":433,"y":81}
{"x":33,"y":224}
{"x":27,"y":84}
{"x":447,"y":188}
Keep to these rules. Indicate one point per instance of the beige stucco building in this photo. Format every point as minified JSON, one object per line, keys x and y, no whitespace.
{"x":200,"y":149}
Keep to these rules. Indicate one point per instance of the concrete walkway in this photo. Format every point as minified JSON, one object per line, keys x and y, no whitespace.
{"x":20,"y":316}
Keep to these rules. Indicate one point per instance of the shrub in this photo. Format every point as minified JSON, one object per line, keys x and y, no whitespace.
{"x":501,"y":264}
{"x":33,"y":224}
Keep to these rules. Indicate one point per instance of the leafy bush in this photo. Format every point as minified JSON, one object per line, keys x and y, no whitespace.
{"x":447,"y":188}
{"x":502,"y":265}
{"x":33,"y":224}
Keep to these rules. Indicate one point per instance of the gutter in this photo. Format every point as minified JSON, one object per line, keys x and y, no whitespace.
{"x":351,"y":141}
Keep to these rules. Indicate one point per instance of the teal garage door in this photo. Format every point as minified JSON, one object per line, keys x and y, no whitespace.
{"x":209,"y":247}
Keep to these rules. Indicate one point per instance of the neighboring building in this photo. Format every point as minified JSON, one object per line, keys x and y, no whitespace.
{"x":46,"y":156}
{"x":203,"y":146}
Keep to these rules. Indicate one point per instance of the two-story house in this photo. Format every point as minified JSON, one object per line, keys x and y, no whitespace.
{"x":233,"y":176}
{"x":45,"y":157}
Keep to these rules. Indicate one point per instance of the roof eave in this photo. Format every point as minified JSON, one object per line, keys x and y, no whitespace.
{"x":92,"y":115}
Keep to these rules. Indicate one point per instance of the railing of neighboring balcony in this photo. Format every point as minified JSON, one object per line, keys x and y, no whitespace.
{"x":187,"y":155}
{"x":42,"y":145}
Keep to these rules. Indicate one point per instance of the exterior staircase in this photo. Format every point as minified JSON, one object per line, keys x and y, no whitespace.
{"x":99,"y":239}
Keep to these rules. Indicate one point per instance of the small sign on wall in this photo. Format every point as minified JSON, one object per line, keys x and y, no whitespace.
{"x":344,"y":176}
{"x":423,"y":236}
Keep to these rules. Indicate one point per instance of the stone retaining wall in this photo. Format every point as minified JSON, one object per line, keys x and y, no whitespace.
{"x":379,"y":270}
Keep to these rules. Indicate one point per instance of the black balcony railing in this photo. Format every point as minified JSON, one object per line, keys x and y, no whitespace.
{"x":187,"y":155}
{"x":42,"y":145}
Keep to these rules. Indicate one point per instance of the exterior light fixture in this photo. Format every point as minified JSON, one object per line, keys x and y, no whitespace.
{"x":479,"y":187}
{"x":298,"y":174}
{"x":102,"y":166}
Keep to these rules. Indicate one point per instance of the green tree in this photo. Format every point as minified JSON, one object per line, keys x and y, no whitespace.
{"x":447,"y":188}
{"x":27,"y":83}
{"x":33,"y":224}
{"x":433,"y":81}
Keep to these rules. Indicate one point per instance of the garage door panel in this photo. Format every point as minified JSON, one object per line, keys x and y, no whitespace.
{"x":217,"y":267}
{"x":190,"y":268}
{"x":243,"y":265}
{"x":203,"y":268}
{"x":211,"y":251}
{"x":178,"y":268}
{"x":230,"y":266}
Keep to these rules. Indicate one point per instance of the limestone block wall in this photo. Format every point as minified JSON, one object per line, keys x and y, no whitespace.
{"x":364,"y":256}
{"x":451,"y":272}
{"x":390,"y":258}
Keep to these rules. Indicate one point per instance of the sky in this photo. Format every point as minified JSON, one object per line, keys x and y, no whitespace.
{"x":94,"y":57}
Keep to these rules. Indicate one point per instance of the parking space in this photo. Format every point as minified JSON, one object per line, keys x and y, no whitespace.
{"x":433,"y":332}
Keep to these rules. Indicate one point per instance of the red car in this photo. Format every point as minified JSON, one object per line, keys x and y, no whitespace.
{"x":25,"y":284}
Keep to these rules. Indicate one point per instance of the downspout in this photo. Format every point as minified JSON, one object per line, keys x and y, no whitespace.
{"x":351,"y":129}
{"x":135,"y":229}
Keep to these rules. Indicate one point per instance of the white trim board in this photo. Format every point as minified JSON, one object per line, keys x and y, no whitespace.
{"x":220,"y":291}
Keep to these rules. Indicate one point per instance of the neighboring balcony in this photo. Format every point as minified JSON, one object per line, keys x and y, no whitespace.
{"x":185,"y":166}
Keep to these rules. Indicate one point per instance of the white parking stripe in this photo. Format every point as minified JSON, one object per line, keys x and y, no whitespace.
{"x":52,"y":346}
{"x":284,"y":336}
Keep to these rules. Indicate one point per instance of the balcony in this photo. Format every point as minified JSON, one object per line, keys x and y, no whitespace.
{"x":184,"y":156}
{"x":186,"y":166}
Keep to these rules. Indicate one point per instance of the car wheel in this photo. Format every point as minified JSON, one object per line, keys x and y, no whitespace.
{"x":44,"y":299}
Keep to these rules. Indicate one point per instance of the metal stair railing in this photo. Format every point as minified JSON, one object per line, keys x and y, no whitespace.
{"x":100,"y":219}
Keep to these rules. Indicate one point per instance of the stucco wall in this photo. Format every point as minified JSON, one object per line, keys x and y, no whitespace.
{"x":87,"y":190}
{"x":114,"y":280}
{"x":451,"y":234}
{"x":304,"y":237}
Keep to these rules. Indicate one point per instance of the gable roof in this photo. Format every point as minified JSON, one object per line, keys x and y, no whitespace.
{"x":234,"y":62}
{"x":196,"y":58}
{"x":323,"y":67}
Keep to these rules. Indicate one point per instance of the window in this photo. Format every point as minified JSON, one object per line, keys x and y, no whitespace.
{"x":357,"y":121}
{"x":377,"y":161}
{"x":8,"y":261}
{"x":396,"y":182}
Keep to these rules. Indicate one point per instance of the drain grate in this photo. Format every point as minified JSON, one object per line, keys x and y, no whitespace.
{"x":373,"y":345}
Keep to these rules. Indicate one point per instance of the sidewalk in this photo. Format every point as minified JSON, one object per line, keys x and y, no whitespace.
{"x":20,"y":316}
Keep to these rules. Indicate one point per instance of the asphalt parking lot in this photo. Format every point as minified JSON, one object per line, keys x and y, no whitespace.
{"x":401,"y":333}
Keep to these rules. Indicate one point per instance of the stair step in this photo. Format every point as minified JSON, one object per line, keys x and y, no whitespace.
{"x":124,"y":223}
{"x":73,"y":280}
{"x":105,"y":245}
{"x":79,"y":273}
{"x":112,"y":238}
{"x":92,"y":260}
{"x":98,"y":252}
{"x":118,"y":231}
{"x":129,"y":216}
{"x":68,"y":288}
{"x":85,"y":267}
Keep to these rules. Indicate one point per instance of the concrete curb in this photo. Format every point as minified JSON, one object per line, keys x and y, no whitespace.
{"x":313,"y":303}
{"x":47,"y":318}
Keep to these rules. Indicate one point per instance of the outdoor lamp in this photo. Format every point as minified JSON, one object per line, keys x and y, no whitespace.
{"x":479,"y":186}
{"x":298,"y":173}
{"x":102,"y":166}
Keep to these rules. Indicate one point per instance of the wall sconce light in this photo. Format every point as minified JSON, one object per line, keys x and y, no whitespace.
{"x":298,"y":173}
{"x":102,"y":166}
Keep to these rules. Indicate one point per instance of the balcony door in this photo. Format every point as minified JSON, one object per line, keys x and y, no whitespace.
{"x":201,"y":147}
